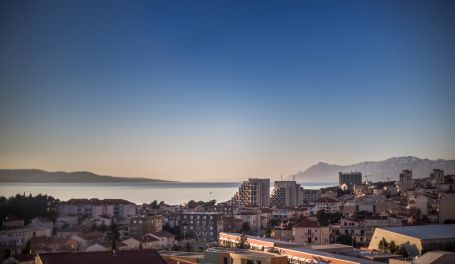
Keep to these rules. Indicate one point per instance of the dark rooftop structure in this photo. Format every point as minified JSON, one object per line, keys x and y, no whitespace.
{"x":104,"y":257}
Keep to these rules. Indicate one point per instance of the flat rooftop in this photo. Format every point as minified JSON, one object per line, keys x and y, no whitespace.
{"x":424,"y":232}
{"x":264,"y":239}
{"x":318,"y":253}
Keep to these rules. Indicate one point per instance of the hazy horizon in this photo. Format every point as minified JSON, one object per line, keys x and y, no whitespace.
{"x":212,"y":91}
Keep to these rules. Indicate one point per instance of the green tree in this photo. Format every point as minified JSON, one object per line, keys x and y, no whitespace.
{"x":345,"y":240}
{"x":154,"y":205}
{"x":246,"y":229}
{"x":381,"y":245}
{"x":113,"y":234}
{"x":28,"y":207}
{"x":210,"y":204}
{"x":328,"y":218}
{"x":191,"y":204}
{"x":243,"y":242}
{"x":392,"y":247}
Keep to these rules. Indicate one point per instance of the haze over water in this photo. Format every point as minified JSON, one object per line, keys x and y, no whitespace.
{"x":139,"y":193}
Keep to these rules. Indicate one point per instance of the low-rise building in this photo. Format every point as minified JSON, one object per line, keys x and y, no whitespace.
{"x":16,"y":239}
{"x":142,"y":225}
{"x":242,"y":256}
{"x":96,"y":207}
{"x":415,"y":239}
{"x":446,"y":208}
{"x":329,"y":205}
{"x":310,"y":232}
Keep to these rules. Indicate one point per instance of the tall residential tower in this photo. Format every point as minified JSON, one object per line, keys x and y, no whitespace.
{"x":254,"y":192}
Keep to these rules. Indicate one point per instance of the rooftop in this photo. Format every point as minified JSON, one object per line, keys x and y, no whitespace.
{"x":331,"y":255}
{"x":307,"y":223}
{"x":101,"y":257}
{"x":325,"y":200}
{"x":424,"y":232}
{"x":264,"y":239}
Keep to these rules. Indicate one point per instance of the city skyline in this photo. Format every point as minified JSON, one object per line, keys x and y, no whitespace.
{"x":225,"y":90}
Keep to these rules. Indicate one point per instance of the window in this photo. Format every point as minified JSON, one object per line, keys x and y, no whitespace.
{"x":225,"y":260}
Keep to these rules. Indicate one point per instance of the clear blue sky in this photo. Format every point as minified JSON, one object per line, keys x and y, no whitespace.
{"x":219,"y":90}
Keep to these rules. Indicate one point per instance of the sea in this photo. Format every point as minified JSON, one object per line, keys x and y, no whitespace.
{"x":138,"y":192}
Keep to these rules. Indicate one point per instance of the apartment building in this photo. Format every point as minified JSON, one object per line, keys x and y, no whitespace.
{"x":96,"y":207}
{"x":286,"y":194}
{"x":310,"y":232}
{"x":254,"y":192}
{"x":203,"y":226}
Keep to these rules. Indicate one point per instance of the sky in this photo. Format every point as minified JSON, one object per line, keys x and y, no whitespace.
{"x":223,"y":90}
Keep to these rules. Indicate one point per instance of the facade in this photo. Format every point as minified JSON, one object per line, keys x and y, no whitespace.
{"x":297,"y":255}
{"x":16,"y":239}
{"x":203,"y":226}
{"x":309,"y":232}
{"x":437,"y":176}
{"x":329,"y":205}
{"x":242,"y":256}
{"x":415,"y":239}
{"x":142,"y":225}
{"x":350,"y":178}
{"x":255,"y":192}
{"x":446,"y":207}
{"x":406,"y":180}
{"x":95,"y":207}
{"x":253,"y":219}
{"x":286,"y":194}
{"x":310,"y":196}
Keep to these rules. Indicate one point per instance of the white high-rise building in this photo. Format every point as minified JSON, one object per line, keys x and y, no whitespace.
{"x":253,"y":192}
{"x":286,"y":194}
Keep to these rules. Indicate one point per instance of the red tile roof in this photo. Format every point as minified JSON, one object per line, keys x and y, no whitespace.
{"x":308,"y":223}
{"x":326,"y":200}
{"x":143,"y":256}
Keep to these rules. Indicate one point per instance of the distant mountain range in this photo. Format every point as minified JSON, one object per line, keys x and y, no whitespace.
{"x":32,"y":175}
{"x":378,"y":170}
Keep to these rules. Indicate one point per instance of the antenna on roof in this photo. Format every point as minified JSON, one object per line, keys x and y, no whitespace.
{"x":293,"y":177}
{"x":281,"y":177}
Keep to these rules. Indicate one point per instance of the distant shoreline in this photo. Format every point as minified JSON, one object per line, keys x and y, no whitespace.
{"x":41,"y":176}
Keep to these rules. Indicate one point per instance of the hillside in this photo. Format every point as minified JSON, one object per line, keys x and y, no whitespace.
{"x":33,"y":175}
{"x":377,"y":170}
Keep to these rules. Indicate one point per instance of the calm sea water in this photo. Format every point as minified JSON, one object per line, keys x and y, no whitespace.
{"x":171,"y":193}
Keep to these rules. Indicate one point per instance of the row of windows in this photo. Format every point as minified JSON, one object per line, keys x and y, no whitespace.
{"x":204,"y":217}
{"x":197,"y":228}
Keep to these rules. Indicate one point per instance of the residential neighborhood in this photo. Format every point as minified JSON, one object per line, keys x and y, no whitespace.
{"x":355,"y":222}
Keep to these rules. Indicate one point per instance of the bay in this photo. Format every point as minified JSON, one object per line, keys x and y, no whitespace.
{"x":137,"y":192}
